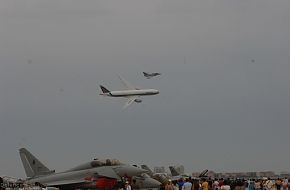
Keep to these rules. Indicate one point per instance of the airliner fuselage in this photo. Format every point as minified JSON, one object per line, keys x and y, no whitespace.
{"x":126,"y":93}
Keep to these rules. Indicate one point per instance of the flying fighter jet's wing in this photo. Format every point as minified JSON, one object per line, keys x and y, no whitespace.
{"x":107,"y":172}
{"x":131,"y":99}
{"x":128,"y":85}
{"x":65,"y":182}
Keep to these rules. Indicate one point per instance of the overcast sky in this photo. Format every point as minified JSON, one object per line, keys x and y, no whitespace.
{"x":224,"y":101}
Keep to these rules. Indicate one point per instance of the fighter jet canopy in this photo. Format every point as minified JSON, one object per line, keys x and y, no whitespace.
{"x":106,"y":162}
{"x":97,"y":163}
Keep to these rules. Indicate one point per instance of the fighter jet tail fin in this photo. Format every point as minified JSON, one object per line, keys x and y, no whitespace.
{"x":32,"y":166}
{"x":173,"y":171}
{"x":203,"y":173}
{"x":104,"y":90}
{"x":145,"y":74}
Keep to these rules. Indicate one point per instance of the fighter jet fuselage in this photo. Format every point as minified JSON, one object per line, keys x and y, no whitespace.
{"x":85,"y":179}
{"x":150,"y":75}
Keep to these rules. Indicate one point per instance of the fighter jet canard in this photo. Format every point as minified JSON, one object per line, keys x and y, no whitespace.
{"x":150,"y":75}
{"x":132,"y":93}
{"x":96,"y":174}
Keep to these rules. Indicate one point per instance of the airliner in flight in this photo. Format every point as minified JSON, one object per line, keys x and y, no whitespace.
{"x":133,"y":94}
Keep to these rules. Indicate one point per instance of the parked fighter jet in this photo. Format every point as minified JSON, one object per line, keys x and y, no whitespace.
{"x":96,"y":174}
{"x":133,"y":94}
{"x":161,"y":177}
{"x":150,"y":75}
{"x":176,"y":175}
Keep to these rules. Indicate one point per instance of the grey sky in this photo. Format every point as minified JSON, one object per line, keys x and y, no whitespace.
{"x":224,"y":93}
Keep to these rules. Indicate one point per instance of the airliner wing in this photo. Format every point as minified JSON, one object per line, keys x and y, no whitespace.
{"x":131,"y":99}
{"x":128,"y":85}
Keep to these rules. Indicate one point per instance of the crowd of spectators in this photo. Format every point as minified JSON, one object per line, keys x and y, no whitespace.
{"x":226,"y":184}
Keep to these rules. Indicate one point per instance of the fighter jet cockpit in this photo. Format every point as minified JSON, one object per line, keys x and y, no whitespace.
{"x":97,"y":163}
{"x":106,"y":162}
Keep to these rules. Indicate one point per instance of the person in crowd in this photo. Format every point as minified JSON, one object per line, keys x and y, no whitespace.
{"x":226,"y":185}
{"x":285,"y":184}
{"x":268,"y":185}
{"x":180,"y":183}
{"x":221,"y":182}
{"x":175,"y":185}
{"x":1,"y":183}
{"x":278,"y":183}
{"x":134,"y":185}
{"x":162,"y":187}
{"x":233,"y":184}
{"x":127,"y":186}
{"x":210,"y":181}
{"x":169,"y":185}
{"x":187,"y":185}
{"x":204,"y":184}
{"x":120,"y":185}
{"x":257,"y":184}
{"x":239,"y":184}
{"x":196,"y":185}
{"x":251,"y":184}
{"x":215,"y":184}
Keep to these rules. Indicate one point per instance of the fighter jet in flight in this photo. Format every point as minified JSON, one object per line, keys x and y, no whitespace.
{"x":96,"y":174}
{"x":132,"y":93}
{"x":150,"y":75}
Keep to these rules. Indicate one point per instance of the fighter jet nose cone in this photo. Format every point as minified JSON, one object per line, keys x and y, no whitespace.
{"x":151,"y":183}
{"x":155,"y":183}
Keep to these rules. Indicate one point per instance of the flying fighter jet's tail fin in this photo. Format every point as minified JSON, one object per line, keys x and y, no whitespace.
{"x":104,"y":90}
{"x":173,"y":171}
{"x":145,"y":167}
{"x":145,"y":74}
{"x":32,"y":166}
